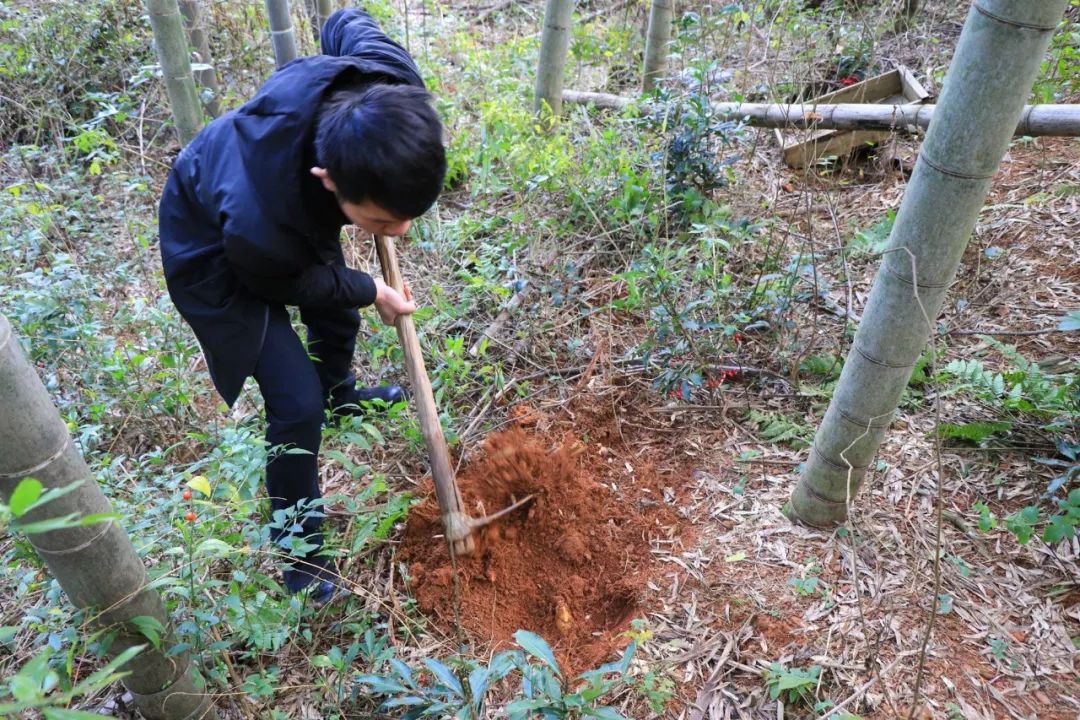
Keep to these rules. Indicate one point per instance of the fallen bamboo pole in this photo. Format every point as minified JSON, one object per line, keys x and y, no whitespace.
{"x":1036,"y":120}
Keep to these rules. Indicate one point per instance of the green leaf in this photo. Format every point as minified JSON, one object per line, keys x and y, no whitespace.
{"x":374,"y":433}
{"x":26,"y":494}
{"x":24,"y":689}
{"x":944,"y":604}
{"x":987,"y":521}
{"x":150,"y":627}
{"x":1070,"y":322}
{"x":445,"y":675}
{"x":108,"y":674}
{"x":974,"y":432}
{"x":536,"y":646}
{"x":95,"y":518}
{"x":404,"y":702}
{"x":212,"y":547}
{"x":1022,"y":523}
{"x":479,"y":681}
{"x":43,"y":526}
{"x":7,"y":632}
{"x":737,"y":557}
{"x":381,"y":685}
{"x":521,"y":708}
{"x":200,"y":484}
{"x":403,"y":671}
{"x":1059,"y":529}
{"x":790,"y":681}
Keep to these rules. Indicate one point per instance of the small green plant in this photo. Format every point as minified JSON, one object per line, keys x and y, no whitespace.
{"x":874,"y":239}
{"x":685,"y":295}
{"x":794,"y":685}
{"x":37,"y":686}
{"x":1059,"y":76}
{"x":806,"y":587}
{"x":1023,"y":387}
{"x":1070,"y":466}
{"x":987,"y":520}
{"x":459,"y":687}
{"x":779,"y":429}
{"x":657,"y":690}
{"x":694,"y":157}
{"x":973,"y":432}
{"x":1000,"y":650}
{"x":30,"y":495}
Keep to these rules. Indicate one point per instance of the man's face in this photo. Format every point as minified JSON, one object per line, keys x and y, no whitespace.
{"x":365,"y":215}
{"x":373,"y":218}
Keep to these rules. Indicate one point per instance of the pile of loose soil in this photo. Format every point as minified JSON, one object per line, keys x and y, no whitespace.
{"x":572,"y":567}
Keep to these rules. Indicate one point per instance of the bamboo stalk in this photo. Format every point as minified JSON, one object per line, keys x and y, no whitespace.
{"x":906,"y":14}
{"x":553,"y":46}
{"x":1035,"y":120}
{"x":324,"y":9}
{"x":172,"y":50}
{"x":282,"y":33}
{"x":96,"y":564}
{"x":318,"y":11}
{"x":312,"y":11}
{"x":656,"y":43}
{"x":992,"y":72}
{"x":193,"y":21}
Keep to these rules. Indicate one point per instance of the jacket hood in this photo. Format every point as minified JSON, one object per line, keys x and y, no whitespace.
{"x":275,"y":131}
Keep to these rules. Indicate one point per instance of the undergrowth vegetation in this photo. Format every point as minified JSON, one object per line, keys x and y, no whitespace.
{"x":621,"y":234}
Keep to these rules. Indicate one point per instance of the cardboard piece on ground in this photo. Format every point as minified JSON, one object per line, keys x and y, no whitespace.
{"x":896,"y":87}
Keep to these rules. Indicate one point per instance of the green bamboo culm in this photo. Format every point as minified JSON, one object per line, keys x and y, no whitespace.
{"x":657,"y":40}
{"x":554,"y":43}
{"x":318,"y":11}
{"x":96,"y":564}
{"x":174,"y":56}
{"x":282,"y":34}
{"x":997,"y":57}
{"x":324,"y":9}
{"x":206,"y":77}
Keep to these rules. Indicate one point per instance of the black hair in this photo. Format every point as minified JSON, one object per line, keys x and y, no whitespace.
{"x":382,"y":142}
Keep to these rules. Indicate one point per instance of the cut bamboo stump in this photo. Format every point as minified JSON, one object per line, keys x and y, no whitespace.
{"x":96,"y":565}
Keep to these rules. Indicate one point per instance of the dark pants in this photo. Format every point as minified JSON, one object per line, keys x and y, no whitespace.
{"x":295,"y":388}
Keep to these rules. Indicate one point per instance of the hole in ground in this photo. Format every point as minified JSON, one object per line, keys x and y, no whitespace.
{"x":572,"y":567}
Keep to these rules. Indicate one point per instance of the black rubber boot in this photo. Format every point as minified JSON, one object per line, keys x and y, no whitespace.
{"x":362,"y":401}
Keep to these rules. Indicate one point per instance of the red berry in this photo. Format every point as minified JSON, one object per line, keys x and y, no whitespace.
{"x":190,"y":517}
{"x":187,"y":495}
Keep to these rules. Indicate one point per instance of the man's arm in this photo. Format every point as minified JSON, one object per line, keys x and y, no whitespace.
{"x":354,"y":33}
{"x":316,"y":286}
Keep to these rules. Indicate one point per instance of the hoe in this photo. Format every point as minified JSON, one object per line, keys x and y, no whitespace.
{"x":457,"y":523}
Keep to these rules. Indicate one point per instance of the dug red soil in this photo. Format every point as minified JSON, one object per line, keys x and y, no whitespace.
{"x":572,"y":567}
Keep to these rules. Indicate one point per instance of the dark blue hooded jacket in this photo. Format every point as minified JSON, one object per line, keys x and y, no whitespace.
{"x":243,"y":223}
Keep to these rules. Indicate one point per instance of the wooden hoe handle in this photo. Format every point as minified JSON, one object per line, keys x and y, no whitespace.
{"x":455,"y":521}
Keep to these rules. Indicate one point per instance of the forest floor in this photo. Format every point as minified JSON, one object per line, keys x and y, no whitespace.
{"x":730,"y":586}
{"x":660,"y":485}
